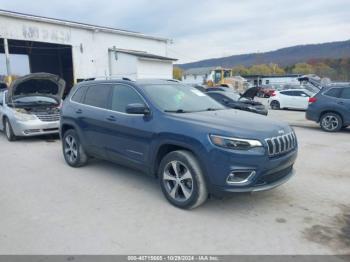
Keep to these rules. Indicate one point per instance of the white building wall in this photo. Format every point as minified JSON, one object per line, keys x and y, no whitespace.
{"x":280,"y":80}
{"x":124,"y":66}
{"x":89,"y":47}
{"x":149,"y":68}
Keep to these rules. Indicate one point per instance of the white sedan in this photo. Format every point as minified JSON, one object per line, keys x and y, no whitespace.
{"x":291,"y":98}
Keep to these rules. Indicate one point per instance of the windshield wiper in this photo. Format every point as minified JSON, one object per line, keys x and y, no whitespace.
{"x":212,"y":109}
{"x":179,"y":111}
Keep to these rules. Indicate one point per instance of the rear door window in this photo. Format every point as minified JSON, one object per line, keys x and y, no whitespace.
{"x":123,"y":95}
{"x":98,"y":96}
{"x":345,"y":94}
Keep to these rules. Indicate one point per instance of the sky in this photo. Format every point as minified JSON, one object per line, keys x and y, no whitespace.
{"x":202,"y":29}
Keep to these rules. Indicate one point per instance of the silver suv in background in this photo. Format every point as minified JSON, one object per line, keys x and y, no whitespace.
{"x":31,"y":106}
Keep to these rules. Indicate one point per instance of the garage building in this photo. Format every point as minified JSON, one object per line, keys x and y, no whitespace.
{"x":77,"y":51}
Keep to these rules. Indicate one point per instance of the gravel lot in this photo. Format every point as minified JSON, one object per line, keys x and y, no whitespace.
{"x":50,"y":208}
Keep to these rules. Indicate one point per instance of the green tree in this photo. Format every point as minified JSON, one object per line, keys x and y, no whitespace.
{"x":323,"y":70}
{"x":262,"y":69}
{"x":276,"y":69}
{"x":177,"y":73}
{"x":240,"y":70}
{"x":303,"y":68}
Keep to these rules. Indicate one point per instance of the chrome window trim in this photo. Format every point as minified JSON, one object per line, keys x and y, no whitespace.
{"x":105,"y":109}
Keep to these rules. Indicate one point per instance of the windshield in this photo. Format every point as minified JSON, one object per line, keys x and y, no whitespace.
{"x":234,"y":96}
{"x":34,"y":100}
{"x":180,"y":98}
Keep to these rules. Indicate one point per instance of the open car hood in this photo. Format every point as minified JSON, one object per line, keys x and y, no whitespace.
{"x":42,"y":84}
{"x":250,"y":92}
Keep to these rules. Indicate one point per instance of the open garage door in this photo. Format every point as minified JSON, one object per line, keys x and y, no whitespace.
{"x":41,"y":57}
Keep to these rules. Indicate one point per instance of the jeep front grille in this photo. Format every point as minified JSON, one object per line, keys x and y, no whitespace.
{"x":281,"y":144}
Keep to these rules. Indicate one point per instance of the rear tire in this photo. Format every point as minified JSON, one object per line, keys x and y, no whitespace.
{"x":331,"y":122}
{"x":8,"y":130}
{"x":275,"y":105}
{"x":182,"y":180}
{"x":73,"y":152}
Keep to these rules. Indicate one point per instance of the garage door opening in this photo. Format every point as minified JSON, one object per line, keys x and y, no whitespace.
{"x":33,"y":57}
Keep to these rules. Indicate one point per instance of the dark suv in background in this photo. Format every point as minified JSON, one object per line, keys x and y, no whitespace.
{"x":331,"y":108}
{"x":193,"y":144}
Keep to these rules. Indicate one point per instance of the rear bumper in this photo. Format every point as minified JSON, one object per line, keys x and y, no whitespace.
{"x":35,"y":128}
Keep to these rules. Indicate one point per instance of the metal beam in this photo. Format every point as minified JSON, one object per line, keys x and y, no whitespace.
{"x":7,"y":56}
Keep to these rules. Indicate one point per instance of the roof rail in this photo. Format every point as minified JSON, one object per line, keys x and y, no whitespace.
{"x":106,"y":78}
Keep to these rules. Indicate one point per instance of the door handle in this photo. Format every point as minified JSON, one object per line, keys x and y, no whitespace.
{"x":79,"y":111}
{"x":111,"y":118}
{"x":341,"y":103}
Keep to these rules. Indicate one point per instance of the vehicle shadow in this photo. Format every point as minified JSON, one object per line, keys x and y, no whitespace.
{"x":149,"y":185}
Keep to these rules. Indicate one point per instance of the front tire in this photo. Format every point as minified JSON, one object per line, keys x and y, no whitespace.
{"x":73,"y":152}
{"x":9,"y":131}
{"x":182,"y":180}
{"x":275,"y":105}
{"x":331,"y":122}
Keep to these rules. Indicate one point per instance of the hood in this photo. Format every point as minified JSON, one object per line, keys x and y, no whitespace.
{"x":236,"y":123}
{"x":43,"y":84}
{"x":250,"y":93}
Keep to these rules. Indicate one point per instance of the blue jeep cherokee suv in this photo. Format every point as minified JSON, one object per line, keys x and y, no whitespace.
{"x":194,"y":145}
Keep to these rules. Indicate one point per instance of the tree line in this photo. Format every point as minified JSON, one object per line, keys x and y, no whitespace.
{"x":335,"y":69}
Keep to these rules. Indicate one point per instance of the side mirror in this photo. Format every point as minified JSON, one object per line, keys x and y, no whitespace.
{"x":137,"y":109}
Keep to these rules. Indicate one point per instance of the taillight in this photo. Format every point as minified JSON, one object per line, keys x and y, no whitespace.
{"x":273,"y":93}
{"x":312,"y":100}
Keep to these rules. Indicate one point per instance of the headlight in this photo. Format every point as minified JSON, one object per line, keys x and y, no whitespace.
{"x":234,"y":143}
{"x":23,"y":116}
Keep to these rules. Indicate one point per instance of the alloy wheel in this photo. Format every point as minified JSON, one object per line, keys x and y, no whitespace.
{"x":71,"y":148}
{"x":330,"y":123}
{"x":178,"y":181}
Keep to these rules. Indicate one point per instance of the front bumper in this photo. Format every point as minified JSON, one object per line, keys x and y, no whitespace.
{"x":221,"y":191}
{"x":34,"y":127}
{"x":270,"y":172}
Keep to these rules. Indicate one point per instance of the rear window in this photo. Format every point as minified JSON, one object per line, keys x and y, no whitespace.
{"x":287,"y":93}
{"x":345,"y":93}
{"x":98,"y":96}
{"x":334,"y":92}
{"x":79,"y":94}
